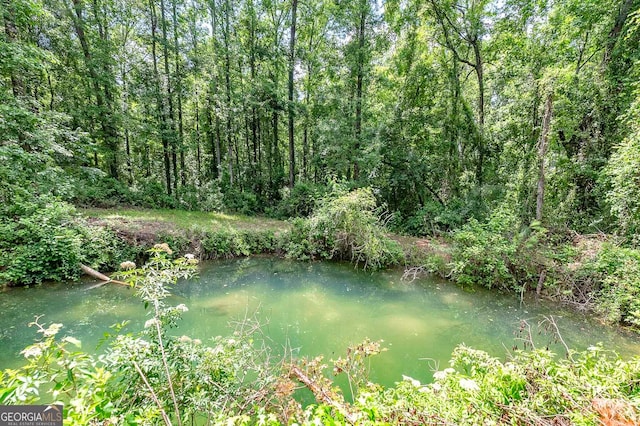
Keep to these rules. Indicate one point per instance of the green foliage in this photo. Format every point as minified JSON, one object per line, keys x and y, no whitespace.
{"x":229,"y":243}
{"x":100,"y":190}
{"x":300,"y":201}
{"x":616,"y":270}
{"x":48,"y":241}
{"x":434,"y":218}
{"x":623,"y":171}
{"x":530,"y":388}
{"x":57,"y":371}
{"x":497,"y":253}
{"x":346,"y":227}
{"x":205,"y":197}
{"x":40,"y":245}
{"x":242,"y":202}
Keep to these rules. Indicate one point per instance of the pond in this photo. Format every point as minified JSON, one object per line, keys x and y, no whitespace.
{"x":315,"y":308}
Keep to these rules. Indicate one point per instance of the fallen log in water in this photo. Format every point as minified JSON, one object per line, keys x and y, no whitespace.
{"x":97,"y":275}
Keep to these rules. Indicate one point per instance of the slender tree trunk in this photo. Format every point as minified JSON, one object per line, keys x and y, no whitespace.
{"x":479,"y":68}
{"x":359,"y":84}
{"x":212,"y":141}
{"x":252,"y":67}
{"x":307,"y":98}
{"x":198,"y":149}
{"x":216,"y":152}
{"x":196,"y":72}
{"x":259,"y":142}
{"x":292,"y":57}
{"x":51,"y":91}
{"x":125,"y":113}
{"x":174,"y":16}
{"x":227,"y":79}
{"x":621,"y":18}
{"x":275,"y":157}
{"x":162,"y":114}
{"x":305,"y":130}
{"x":167,"y":72}
{"x":542,"y":151}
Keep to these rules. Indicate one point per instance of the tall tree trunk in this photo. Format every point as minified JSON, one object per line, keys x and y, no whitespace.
{"x":479,"y":68}
{"x":292,"y":57}
{"x":198,"y":149}
{"x":216,"y":154}
{"x":167,"y":72}
{"x":252,"y":68}
{"x":227,"y":79}
{"x":543,"y":143}
{"x":305,"y":130}
{"x":275,"y":156}
{"x":51,"y":91}
{"x":180,"y":143}
{"x":213,"y":143}
{"x":618,"y":25}
{"x":359,"y":84}
{"x":196,"y":72}
{"x":162,"y":114}
{"x":125,"y":113}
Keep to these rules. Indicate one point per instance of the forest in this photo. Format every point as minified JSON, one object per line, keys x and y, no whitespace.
{"x":502,"y":135}
{"x":446,"y":109}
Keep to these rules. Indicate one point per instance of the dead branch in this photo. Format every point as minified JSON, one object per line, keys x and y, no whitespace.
{"x":321,"y":394}
{"x":412,"y":273}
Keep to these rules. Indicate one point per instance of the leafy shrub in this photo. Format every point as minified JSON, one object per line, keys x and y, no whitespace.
{"x":48,"y":242}
{"x":624,"y":196}
{"x":617,"y":271}
{"x":623,"y":172}
{"x":153,"y":194}
{"x":99,"y":190}
{"x":230,"y":243}
{"x":346,"y":227}
{"x":206,"y":197}
{"x":497,"y":253}
{"x":301,"y":201}
{"x":434,"y":218}
{"x":590,"y":387}
{"x":41,"y":245}
{"x":241,"y":201}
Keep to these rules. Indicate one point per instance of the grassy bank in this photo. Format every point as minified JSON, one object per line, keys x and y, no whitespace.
{"x":148,"y":220}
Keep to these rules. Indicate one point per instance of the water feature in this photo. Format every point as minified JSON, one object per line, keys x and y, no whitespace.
{"x":315,"y":308}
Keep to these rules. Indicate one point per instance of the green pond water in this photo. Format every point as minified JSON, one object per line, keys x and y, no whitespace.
{"x":315,"y":308}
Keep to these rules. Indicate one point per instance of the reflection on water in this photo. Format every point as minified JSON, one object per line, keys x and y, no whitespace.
{"x":314,"y":308}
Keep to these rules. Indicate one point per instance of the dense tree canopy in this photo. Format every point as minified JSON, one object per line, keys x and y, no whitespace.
{"x":444,"y":107}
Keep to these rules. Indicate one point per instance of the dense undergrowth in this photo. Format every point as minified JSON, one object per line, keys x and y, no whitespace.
{"x":589,"y":272}
{"x":48,"y":240}
{"x":153,"y":377}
